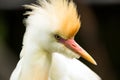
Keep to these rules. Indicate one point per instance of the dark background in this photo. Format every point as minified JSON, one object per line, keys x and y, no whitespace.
{"x":99,"y":34}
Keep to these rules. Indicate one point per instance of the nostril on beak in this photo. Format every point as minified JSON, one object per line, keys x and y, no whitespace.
{"x":73,"y":45}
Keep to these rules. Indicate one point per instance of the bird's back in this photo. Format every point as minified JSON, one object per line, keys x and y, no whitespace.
{"x":64,"y":68}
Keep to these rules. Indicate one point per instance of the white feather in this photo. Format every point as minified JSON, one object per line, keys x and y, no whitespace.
{"x":38,"y":60}
{"x":64,"y":68}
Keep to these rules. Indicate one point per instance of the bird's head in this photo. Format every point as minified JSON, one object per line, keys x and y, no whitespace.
{"x":52,"y":25}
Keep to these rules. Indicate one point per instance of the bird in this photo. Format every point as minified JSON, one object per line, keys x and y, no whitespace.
{"x":49,"y":51}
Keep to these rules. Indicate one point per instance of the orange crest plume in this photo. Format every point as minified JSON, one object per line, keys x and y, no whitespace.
{"x":62,"y":14}
{"x":69,"y":19}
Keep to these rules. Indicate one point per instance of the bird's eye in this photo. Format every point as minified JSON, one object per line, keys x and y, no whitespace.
{"x":57,"y":37}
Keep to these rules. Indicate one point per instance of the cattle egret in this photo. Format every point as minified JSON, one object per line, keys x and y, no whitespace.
{"x":49,"y":50}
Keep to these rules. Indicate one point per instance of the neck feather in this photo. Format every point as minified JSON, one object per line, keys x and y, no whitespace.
{"x":36,"y":64}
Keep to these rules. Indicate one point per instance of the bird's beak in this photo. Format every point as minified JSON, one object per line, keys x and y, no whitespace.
{"x":72,"y":45}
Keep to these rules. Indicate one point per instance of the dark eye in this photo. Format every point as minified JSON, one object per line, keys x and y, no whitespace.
{"x":57,"y":37}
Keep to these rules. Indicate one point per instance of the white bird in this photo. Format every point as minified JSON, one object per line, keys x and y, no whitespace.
{"x":49,"y":50}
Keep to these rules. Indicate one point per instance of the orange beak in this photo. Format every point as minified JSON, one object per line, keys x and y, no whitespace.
{"x":72,"y":45}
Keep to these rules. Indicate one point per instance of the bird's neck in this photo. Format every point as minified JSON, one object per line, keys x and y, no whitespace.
{"x":37,"y":62}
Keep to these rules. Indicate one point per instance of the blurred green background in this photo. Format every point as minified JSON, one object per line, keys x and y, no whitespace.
{"x":99,"y":35}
